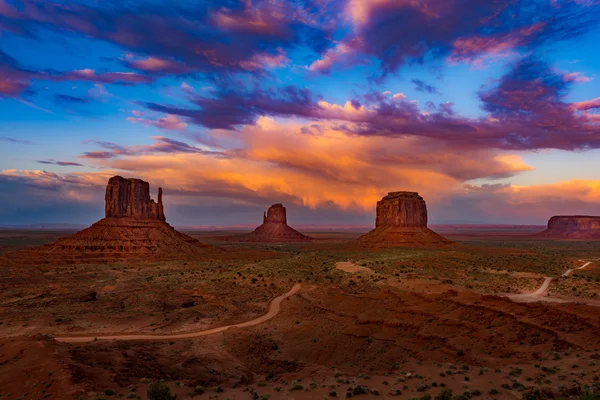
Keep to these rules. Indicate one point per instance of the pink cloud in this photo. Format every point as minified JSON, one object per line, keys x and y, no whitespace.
{"x":587,"y":105}
{"x":577,"y":77}
{"x":170,"y":122}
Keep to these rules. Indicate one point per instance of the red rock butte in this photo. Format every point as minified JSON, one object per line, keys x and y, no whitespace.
{"x":273,"y":229}
{"x":134,"y":228}
{"x":402,"y":221}
{"x":581,"y":227}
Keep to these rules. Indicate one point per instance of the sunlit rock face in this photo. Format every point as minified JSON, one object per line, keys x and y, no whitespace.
{"x":401,"y":209}
{"x":134,"y":229}
{"x":275,"y":214}
{"x":402,"y":221}
{"x":131,"y":198}
{"x":573,"y":227}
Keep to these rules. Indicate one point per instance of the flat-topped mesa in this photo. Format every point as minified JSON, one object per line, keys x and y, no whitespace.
{"x":573,"y":227}
{"x":402,"y":221}
{"x":276,"y":214}
{"x":401,"y":209}
{"x":131,"y":198}
{"x":574,"y":223}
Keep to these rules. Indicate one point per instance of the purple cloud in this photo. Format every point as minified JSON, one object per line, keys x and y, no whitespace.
{"x":397,"y":33}
{"x":199,"y":37}
{"x":60,"y":163}
{"x":161,"y":145}
{"x":422,"y":86}
{"x":232,"y":106}
{"x":526,"y":111}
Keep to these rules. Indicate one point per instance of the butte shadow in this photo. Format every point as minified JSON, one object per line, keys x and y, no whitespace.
{"x":574,"y":227}
{"x":402,"y":221}
{"x":274,"y":229}
{"x":134,"y":229}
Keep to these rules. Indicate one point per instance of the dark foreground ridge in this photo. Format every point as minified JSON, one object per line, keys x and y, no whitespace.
{"x":402,"y":221}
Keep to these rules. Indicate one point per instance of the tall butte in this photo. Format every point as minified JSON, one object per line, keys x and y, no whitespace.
{"x":134,"y":228}
{"x":402,"y":221}
{"x":273,"y":229}
{"x":580,"y":227}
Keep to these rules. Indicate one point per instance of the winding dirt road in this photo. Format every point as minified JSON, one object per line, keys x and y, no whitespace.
{"x":542,"y":293}
{"x":273,"y":310}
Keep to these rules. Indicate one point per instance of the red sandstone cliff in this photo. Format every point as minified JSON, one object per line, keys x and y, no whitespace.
{"x":573,"y":227}
{"x":273,"y":229}
{"x":402,"y":220}
{"x":134,"y":229}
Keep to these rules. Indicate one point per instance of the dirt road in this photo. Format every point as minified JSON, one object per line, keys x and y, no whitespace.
{"x":273,"y":310}
{"x":542,"y":293}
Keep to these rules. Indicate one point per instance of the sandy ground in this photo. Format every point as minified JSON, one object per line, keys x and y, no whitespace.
{"x":352,"y":268}
{"x":390,"y":323}
{"x":272,"y":310}
{"x":541,"y":294}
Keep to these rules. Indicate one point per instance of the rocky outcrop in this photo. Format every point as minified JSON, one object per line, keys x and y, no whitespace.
{"x":276,"y":214}
{"x":401,"y":220}
{"x":401,"y":209}
{"x":273,"y":229}
{"x":134,"y":230}
{"x":131,"y":198}
{"x":573,"y":227}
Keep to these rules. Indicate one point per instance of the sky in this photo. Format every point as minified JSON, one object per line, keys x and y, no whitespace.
{"x":490,"y":109}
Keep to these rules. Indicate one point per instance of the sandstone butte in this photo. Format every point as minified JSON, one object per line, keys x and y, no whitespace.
{"x":402,"y":221}
{"x":273,"y":229}
{"x":134,"y":228}
{"x":581,"y":227}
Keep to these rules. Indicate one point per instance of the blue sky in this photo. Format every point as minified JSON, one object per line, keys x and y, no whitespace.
{"x":490,"y":110}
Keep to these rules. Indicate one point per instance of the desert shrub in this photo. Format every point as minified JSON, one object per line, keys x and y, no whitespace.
{"x":360,"y":390}
{"x":445,"y":394}
{"x":160,"y":391}
{"x":533,"y":394}
{"x":589,"y":396}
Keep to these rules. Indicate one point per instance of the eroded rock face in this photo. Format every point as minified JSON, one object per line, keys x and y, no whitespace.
{"x":131,"y":198}
{"x":573,"y":227}
{"x":401,"y":209}
{"x":273,"y":229}
{"x":574,"y":223}
{"x":134,"y":230}
{"x":275,"y":214}
{"x":402,"y":221}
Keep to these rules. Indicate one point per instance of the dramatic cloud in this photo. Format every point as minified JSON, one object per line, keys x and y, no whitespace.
{"x":401,"y":32}
{"x":249,"y":117}
{"x":526,"y":111}
{"x":232,"y":106}
{"x":233,"y":36}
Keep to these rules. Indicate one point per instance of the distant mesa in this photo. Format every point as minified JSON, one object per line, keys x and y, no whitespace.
{"x":134,"y":228}
{"x":402,"y":221}
{"x":581,"y":227}
{"x":273,"y":229}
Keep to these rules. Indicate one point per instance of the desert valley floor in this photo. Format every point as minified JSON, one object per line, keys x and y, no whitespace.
{"x":356,"y":321}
